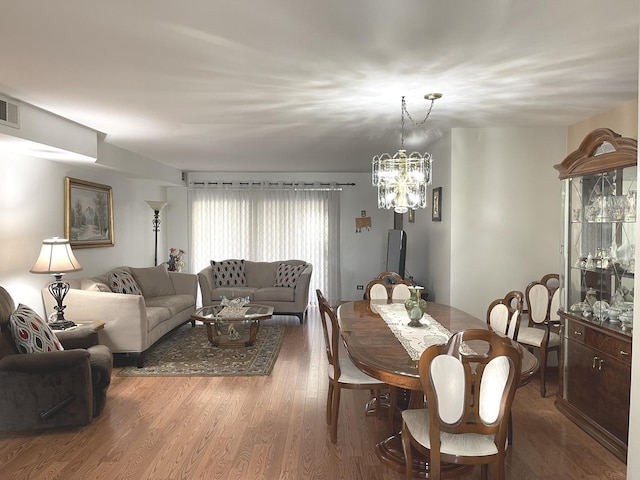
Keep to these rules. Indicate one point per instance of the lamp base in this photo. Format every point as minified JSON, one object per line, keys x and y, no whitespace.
{"x":61,"y":324}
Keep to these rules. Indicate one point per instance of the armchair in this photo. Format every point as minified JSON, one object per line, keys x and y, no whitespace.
{"x":52,"y":389}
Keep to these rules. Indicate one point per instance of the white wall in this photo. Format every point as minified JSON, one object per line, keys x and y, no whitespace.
{"x":32,"y":199}
{"x":505,"y":211}
{"x":633,"y":461}
{"x":436,"y":244}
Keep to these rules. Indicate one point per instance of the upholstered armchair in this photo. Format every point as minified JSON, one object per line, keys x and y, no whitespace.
{"x":52,"y":389}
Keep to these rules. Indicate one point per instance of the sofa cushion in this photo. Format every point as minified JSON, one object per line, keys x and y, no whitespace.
{"x":153,"y":281}
{"x":287,"y":275}
{"x":123,"y":282}
{"x":175,"y":303}
{"x":30,"y":333}
{"x":228,"y":273}
{"x":274,"y":294}
{"x":156,"y":316}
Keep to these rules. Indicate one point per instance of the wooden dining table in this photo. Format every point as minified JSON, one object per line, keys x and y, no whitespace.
{"x":375,"y":350}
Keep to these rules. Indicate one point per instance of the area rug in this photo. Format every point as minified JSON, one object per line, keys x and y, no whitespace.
{"x":187,"y":352}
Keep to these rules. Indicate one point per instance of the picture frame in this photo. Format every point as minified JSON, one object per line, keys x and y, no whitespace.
{"x":436,"y":204}
{"x":88,"y":214}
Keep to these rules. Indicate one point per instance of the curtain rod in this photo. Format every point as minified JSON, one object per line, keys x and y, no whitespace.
{"x":277,"y":184}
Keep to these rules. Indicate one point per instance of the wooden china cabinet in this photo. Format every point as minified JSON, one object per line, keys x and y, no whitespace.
{"x":597,"y":285}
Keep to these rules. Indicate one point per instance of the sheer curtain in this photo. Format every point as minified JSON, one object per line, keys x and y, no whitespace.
{"x":269,"y":224}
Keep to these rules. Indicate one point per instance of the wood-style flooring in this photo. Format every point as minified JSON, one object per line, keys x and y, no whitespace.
{"x":272,"y":428}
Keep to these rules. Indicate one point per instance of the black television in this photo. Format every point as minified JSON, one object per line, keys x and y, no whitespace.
{"x":396,"y":251}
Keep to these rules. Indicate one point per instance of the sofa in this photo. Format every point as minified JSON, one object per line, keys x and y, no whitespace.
{"x":283,"y":285}
{"x":51,"y":387}
{"x":138,"y":305}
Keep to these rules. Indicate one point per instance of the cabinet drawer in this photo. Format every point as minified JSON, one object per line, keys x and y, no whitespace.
{"x":576,"y":331}
{"x":611,"y":346}
{"x":600,"y":341}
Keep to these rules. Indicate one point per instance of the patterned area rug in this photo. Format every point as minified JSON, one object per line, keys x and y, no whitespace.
{"x":187,"y":352}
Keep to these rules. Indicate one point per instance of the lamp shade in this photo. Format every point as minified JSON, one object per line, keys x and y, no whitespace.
{"x":56,"y":256}
{"x":156,"y":206}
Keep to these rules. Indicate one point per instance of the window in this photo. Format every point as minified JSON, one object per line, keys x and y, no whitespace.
{"x":269,"y":224}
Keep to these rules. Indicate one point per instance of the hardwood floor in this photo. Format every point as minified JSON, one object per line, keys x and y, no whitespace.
{"x":272,"y":428}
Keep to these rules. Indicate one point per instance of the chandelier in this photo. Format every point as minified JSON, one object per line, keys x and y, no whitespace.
{"x":402,"y":180}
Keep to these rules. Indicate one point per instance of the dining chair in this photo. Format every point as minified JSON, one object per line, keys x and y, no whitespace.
{"x":504,"y":314}
{"x":542,"y":331}
{"x":469,"y":385}
{"x":388,"y":286}
{"x":342,"y":372}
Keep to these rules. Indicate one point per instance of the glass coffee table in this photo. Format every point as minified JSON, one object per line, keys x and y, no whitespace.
{"x":222,"y":323}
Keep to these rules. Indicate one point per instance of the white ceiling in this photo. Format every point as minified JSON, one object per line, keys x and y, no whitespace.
{"x":302,"y":85}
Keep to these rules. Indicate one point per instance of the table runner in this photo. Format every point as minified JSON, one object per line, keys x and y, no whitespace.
{"x":414,"y":340}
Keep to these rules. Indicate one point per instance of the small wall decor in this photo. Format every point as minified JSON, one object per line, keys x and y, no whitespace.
{"x":436,"y":204}
{"x":88,"y":214}
{"x":363,"y":222}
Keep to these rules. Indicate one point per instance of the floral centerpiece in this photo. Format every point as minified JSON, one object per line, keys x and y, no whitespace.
{"x":175,"y":263}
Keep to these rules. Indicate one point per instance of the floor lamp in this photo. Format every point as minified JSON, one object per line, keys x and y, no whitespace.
{"x":56,"y":258}
{"x":156,"y":207}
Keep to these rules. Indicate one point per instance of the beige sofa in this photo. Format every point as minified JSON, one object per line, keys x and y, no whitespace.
{"x":132,"y":322}
{"x":260,"y":279}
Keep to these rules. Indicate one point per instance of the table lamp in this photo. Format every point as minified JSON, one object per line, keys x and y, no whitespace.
{"x":56,"y":258}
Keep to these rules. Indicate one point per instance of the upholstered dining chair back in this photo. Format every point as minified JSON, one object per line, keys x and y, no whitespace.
{"x":400,"y":292}
{"x":542,"y":331}
{"x":378,"y":292}
{"x":504,"y":314}
{"x":469,"y":385}
{"x":543,"y":299}
{"x":331,"y":333}
{"x":343,"y":374}
{"x":388,"y":286}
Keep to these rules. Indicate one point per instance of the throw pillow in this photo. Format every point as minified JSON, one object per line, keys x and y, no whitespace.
{"x":30,"y":333}
{"x":122,"y":282}
{"x":229,"y":273}
{"x":153,"y":281}
{"x":287,"y":275}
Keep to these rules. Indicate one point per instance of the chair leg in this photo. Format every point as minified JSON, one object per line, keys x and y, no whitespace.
{"x":543,"y":369}
{"x":406,"y":448}
{"x":334,"y":415}
{"x":329,"y":402}
{"x":484,"y":471}
{"x":393,"y":403}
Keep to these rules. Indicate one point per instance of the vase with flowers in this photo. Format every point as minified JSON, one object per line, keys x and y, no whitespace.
{"x":175,"y":263}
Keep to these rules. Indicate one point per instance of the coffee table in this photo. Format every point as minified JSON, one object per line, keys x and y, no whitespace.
{"x":221,"y":323}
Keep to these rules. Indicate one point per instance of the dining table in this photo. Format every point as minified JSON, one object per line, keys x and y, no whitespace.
{"x":376,"y":350}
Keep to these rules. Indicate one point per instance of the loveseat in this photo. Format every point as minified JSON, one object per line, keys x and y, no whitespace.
{"x":51,"y":387}
{"x":283,"y":285}
{"x":137,"y":305}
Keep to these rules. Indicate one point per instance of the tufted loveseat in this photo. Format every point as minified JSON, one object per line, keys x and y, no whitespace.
{"x":266,"y":283}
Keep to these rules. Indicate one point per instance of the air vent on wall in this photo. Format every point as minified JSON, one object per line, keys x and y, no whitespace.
{"x":9,"y":113}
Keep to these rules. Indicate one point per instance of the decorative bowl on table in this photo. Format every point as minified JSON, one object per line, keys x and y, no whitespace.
{"x":233,"y":306}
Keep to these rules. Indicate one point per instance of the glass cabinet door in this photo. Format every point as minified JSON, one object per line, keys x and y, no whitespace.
{"x":600,"y":245}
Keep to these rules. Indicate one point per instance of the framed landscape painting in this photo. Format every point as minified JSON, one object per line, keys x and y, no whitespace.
{"x":88,"y":214}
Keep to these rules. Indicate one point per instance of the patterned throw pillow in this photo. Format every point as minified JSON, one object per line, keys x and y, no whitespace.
{"x":287,"y":275}
{"x":30,"y":333}
{"x":229,"y":273}
{"x":123,"y":282}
